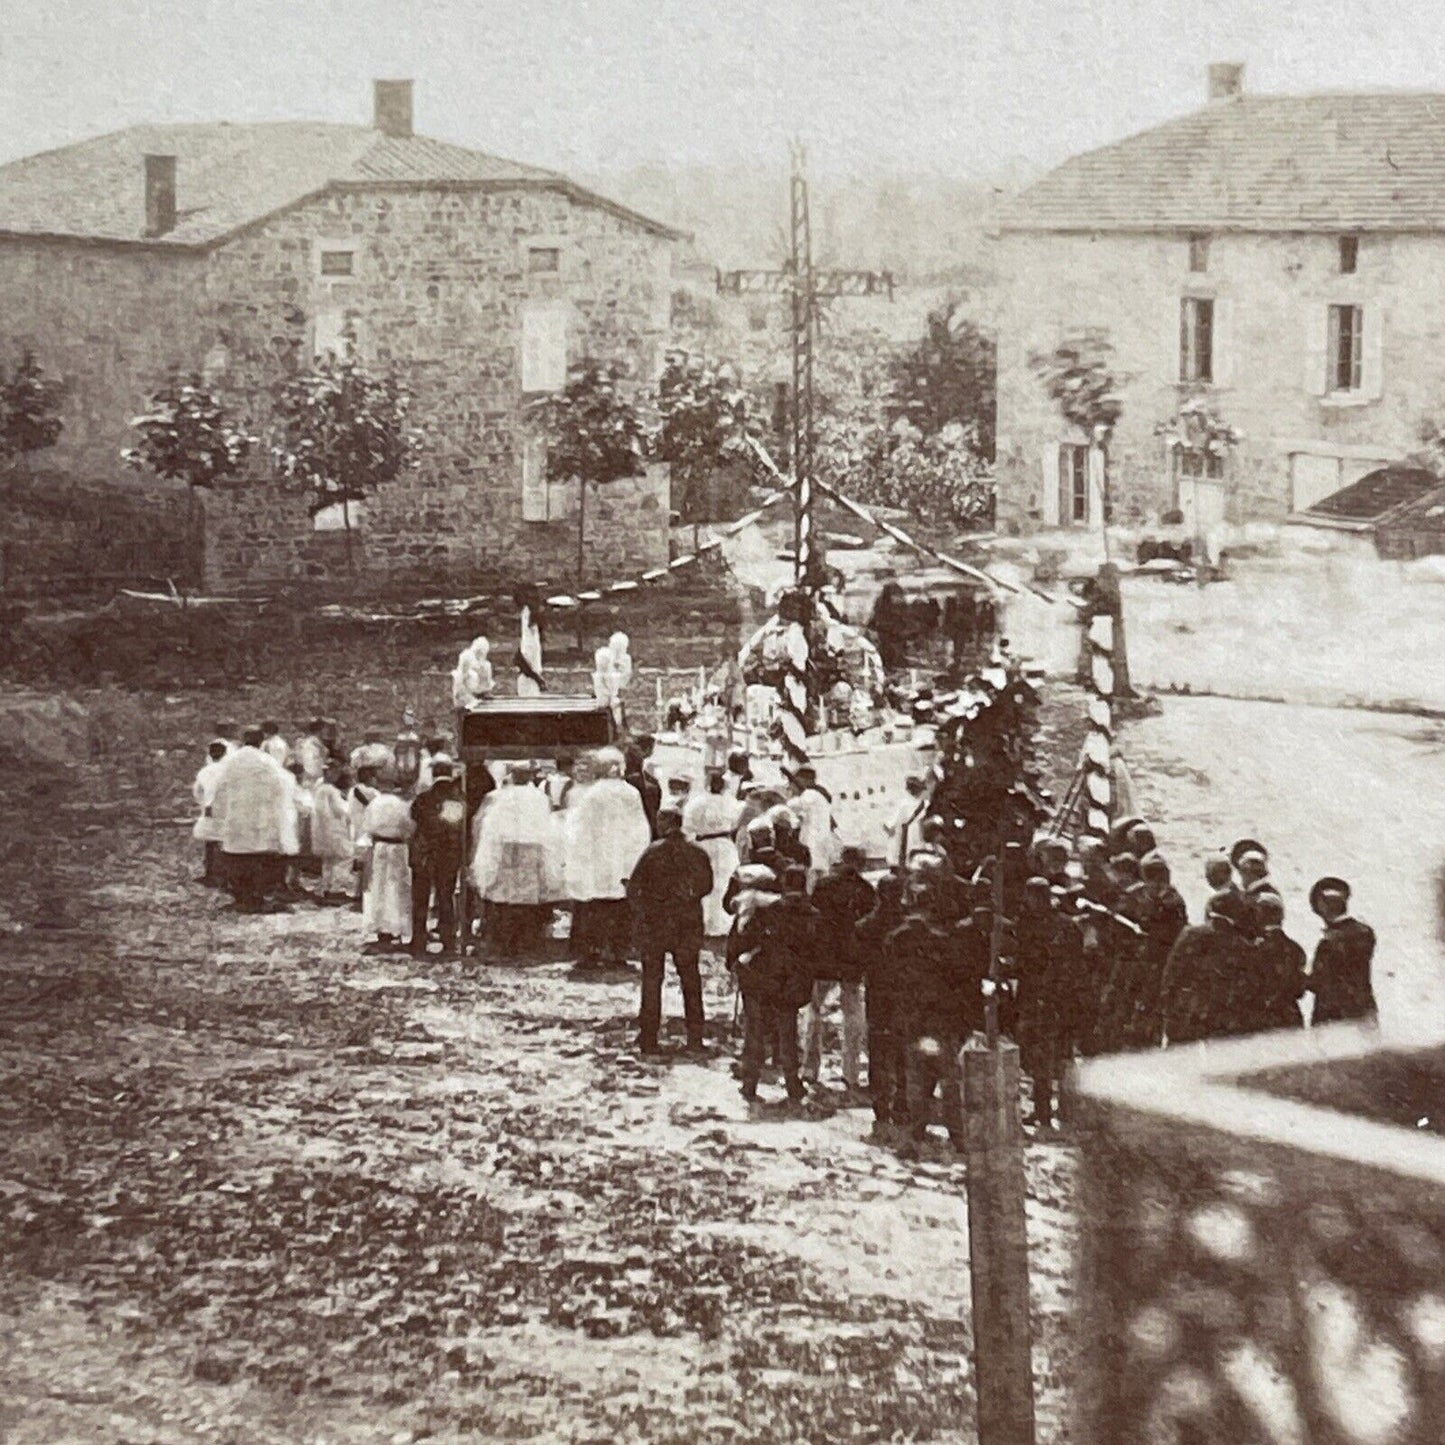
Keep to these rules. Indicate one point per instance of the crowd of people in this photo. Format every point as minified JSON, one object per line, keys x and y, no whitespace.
{"x":1094,"y":951}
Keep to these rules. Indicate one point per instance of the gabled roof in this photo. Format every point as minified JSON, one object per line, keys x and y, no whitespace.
{"x":231,"y":176}
{"x":1268,"y":163}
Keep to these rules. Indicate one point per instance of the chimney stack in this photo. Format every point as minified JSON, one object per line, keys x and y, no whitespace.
{"x":160,"y":195}
{"x":393,"y":108}
{"x":1226,"y":80}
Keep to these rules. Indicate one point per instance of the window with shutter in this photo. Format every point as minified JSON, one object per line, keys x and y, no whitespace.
{"x":1346,"y":348}
{"x":1196,"y":339}
{"x":534,"y":480}
{"x":1074,"y":484}
{"x":1049,"y":489}
{"x":544,"y":348}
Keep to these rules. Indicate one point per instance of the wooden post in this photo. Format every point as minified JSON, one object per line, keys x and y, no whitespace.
{"x":998,"y":1243}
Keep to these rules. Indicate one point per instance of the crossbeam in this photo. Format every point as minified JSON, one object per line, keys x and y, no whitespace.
{"x":827,"y":284}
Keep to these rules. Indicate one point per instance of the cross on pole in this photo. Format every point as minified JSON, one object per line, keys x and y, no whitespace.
{"x":806,"y":287}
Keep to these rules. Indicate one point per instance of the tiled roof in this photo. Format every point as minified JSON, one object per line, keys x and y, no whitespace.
{"x":228,"y":176}
{"x":1316,"y":162}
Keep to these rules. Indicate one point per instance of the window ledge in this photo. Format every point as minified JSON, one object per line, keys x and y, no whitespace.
{"x":1347,"y":399}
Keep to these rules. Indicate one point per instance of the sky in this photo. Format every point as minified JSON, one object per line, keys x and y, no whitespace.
{"x":956,"y":87}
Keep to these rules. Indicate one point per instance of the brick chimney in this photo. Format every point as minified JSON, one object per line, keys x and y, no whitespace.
{"x":1226,"y":80}
{"x":392,"y":107}
{"x":160,"y":195}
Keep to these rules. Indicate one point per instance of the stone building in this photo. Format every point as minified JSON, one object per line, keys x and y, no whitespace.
{"x":1277,"y":256}
{"x":244,"y":250}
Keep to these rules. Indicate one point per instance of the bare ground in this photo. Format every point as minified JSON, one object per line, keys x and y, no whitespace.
{"x":256,"y":1188}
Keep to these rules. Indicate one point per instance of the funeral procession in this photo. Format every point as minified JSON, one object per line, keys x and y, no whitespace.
{"x":778,"y":775}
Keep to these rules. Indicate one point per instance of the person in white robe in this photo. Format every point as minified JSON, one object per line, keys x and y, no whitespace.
{"x":816,"y":830}
{"x":611,"y":674}
{"x":517,"y":866}
{"x":311,"y":752}
{"x":274,"y":745}
{"x":363,"y":790}
{"x":255,"y":815}
{"x":331,"y":835}
{"x":206,"y":832}
{"x":386,"y":829}
{"x":606,"y":831}
{"x":472,"y":678}
{"x":903,"y":826}
{"x":711,"y":820}
{"x":529,"y":654}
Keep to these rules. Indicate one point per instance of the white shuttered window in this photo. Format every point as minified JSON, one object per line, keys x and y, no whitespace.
{"x":544,"y":348}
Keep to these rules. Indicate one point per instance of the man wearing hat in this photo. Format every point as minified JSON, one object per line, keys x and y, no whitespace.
{"x":1251,"y":862}
{"x":1200,"y":977}
{"x":436,"y":855}
{"x":1129,"y":1015}
{"x":666,"y":890}
{"x":1340,"y":973}
{"x":1273,"y":977}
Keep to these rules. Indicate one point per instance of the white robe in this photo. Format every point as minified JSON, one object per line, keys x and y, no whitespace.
{"x":277,"y":749}
{"x":311,"y":754}
{"x":518,"y":857}
{"x":530,"y":647}
{"x":607,"y":832}
{"x":710,"y":820}
{"x":253,"y":807}
{"x":815,"y":828}
{"x":203,"y":790}
{"x":386,"y":900}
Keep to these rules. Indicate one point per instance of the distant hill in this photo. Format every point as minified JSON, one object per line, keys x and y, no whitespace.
{"x":927,"y":229}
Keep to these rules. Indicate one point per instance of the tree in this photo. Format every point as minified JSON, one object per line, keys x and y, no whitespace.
{"x":185,"y":435}
{"x":344,"y":432}
{"x":1077,"y":376}
{"x":703,"y":420}
{"x":593,"y":432}
{"x":29,"y":408}
{"x":949,"y":377}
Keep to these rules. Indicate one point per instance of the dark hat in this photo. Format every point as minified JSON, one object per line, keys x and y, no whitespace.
{"x":1119,"y":833}
{"x":1153,"y":865}
{"x":1225,"y":905}
{"x":1329,"y":887}
{"x":1246,"y":845}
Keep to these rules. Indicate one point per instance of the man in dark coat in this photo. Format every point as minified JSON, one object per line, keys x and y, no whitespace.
{"x":436,"y":850}
{"x":666,"y":890}
{"x":842,"y":897}
{"x":648,"y":788}
{"x":1340,"y":974}
{"x":884,"y":1002}
{"x":1130,"y":1013}
{"x":1272,"y":978}
{"x":1047,"y":955}
{"x":925,"y":955}
{"x":777,"y":950}
{"x":1200,"y":977}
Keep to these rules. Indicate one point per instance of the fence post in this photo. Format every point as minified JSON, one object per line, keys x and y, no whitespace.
{"x":998,"y":1244}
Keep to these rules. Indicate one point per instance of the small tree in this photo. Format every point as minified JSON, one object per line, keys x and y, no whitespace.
{"x":703,"y":421}
{"x":593,"y":433}
{"x":1077,"y":376}
{"x":186,"y":435}
{"x":949,"y":377}
{"x":344,"y":432}
{"x":29,"y":408}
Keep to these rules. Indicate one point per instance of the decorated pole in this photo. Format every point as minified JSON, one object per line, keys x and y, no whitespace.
{"x":798,"y":627}
{"x":1098,"y":764}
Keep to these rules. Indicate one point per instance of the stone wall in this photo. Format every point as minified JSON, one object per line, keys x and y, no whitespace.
{"x":1270,"y":293}
{"x":441,"y":277}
